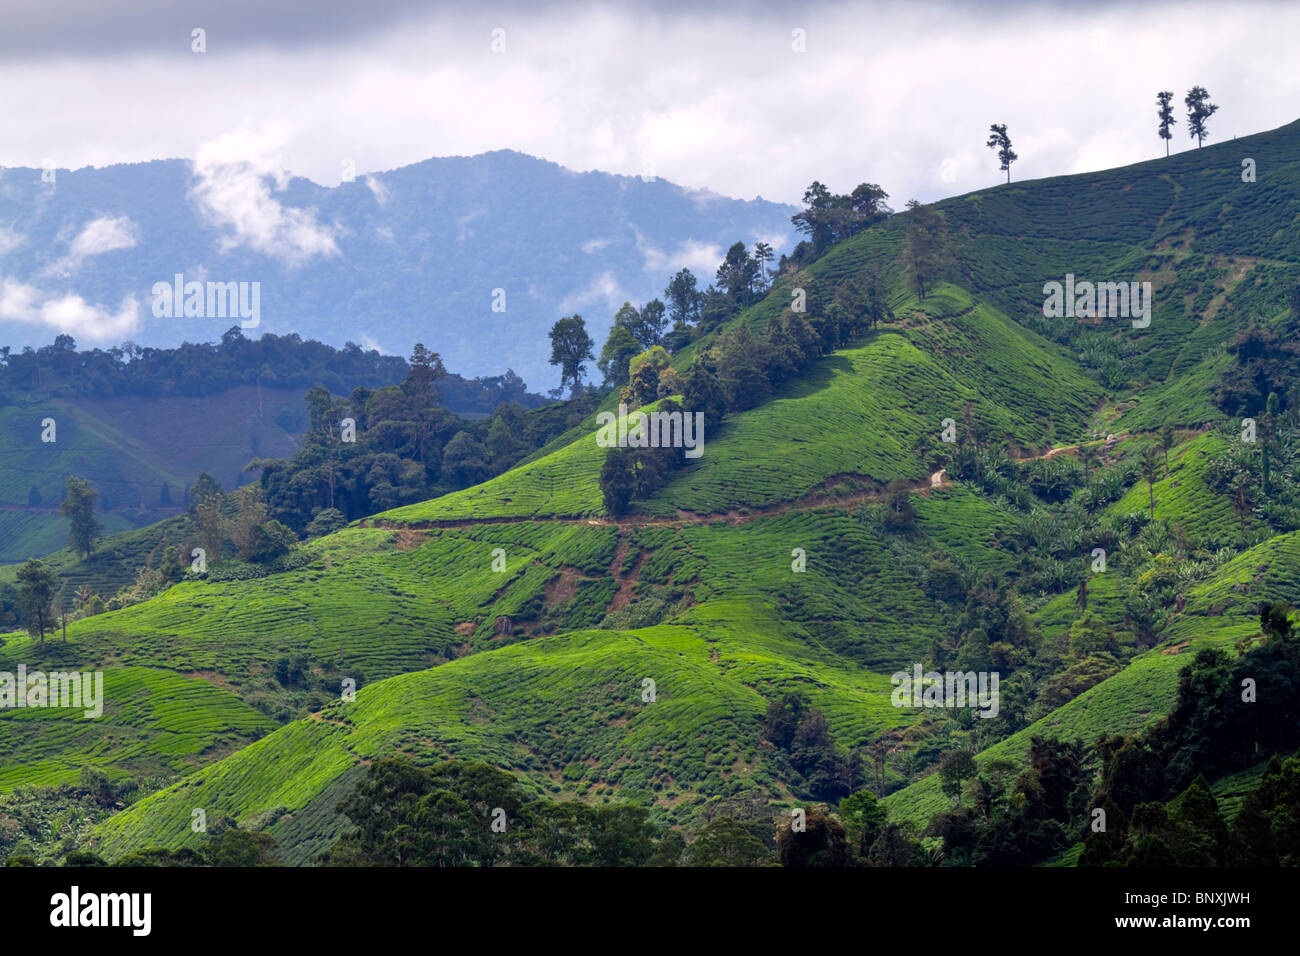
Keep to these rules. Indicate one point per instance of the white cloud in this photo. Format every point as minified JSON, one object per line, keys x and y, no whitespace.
{"x":10,"y":240}
{"x":233,"y":171}
{"x":369,"y":344}
{"x":378,"y":189}
{"x":18,"y":301}
{"x":702,"y":258}
{"x":603,"y":290}
{"x":70,"y":313}
{"x":776,"y":240}
{"x":103,"y":235}
{"x":106,"y":234}
{"x":595,"y":245}
{"x":709,"y":97}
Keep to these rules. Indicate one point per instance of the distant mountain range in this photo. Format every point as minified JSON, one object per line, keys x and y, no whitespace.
{"x":387,"y":259}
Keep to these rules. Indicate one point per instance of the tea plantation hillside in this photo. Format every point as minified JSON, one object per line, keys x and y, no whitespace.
{"x":117,"y":557}
{"x":129,"y":447}
{"x":1221,"y":612}
{"x":855,"y":415}
{"x":1060,"y":536}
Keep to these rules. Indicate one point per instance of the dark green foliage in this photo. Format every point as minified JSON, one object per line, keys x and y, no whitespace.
{"x":211,"y":368}
{"x":206,"y":500}
{"x":955,"y":768}
{"x":1264,"y":363}
{"x":618,"y":480}
{"x":684,"y":300}
{"x":1267,"y":830}
{"x":46,"y":824}
{"x":326,"y":521}
{"x":619,"y":347}
{"x":157,"y":856}
{"x":506,"y":440}
{"x":231,"y":846}
{"x":895,"y":847}
{"x":269,"y":541}
{"x":78,"y":506}
{"x":97,"y":786}
{"x":864,"y":819}
{"x":900,"y":515}
{"x":1166,"y":115}
{"x":725,"y":841}
{"x":793,"y":726}
{"x":36,"y":587}
{"x":782,"y":719}
{"x":84,"y":858}
{"x":469,"y":814}
{"x":407,"y":448}
{"x":819,"y":841}
{"x":1216,"y":726}
{"x":636,"y":473}
{"x":1189,"y":830}
{"x":404,"y":818}
{"x":827,"y":218}
{"x":702,"y":393}
{"x":737,"y":275}
{"x":465,"y":460}
{"x":1199,"y":110}
{"x":999,"y":140}
{"x":1040,"y":814}
{"x":570,"y":348}
{"x":927,"y":257}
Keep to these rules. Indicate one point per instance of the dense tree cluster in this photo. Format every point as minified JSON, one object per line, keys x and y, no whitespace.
{"x":636,"y":473}
{"x":1265,"y":362}
{"x":800,"y":734}
{"x":827,"y":218}
{"x":737,"y":371}
{"x":633,"y":332}
{"x":1231,"y":713}
{"x":470,"y":814}
{"x":402,"y":446}
{"x":271,"y":361}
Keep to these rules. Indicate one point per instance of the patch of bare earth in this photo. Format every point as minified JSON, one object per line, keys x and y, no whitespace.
{"x":626,"y":582}
{"x":563,"y":587}
{"x":408,"y":540}
{"x":216,"y":678}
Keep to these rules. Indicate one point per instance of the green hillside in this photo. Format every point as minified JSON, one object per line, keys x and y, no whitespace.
{"x":117,"y":555}
{"x":1143,"y":691}
{"x":129,"y":447}
{"x":519,"y":623}
{"x":155,"y":724}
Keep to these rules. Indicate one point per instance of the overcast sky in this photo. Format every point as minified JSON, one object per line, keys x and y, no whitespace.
{"x":707,"y":95}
